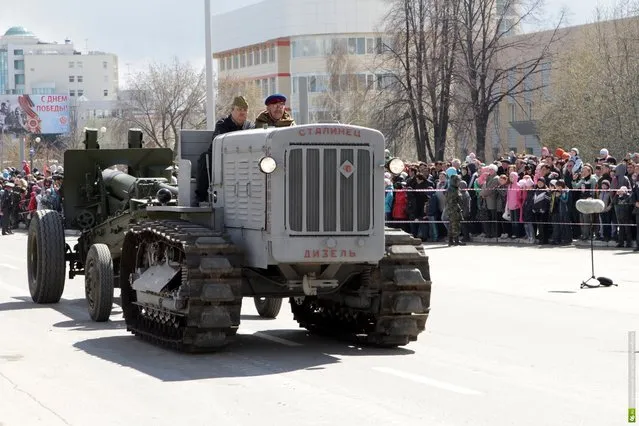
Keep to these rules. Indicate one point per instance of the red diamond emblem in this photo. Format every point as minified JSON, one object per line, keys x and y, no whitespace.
{"x":347,"y":169}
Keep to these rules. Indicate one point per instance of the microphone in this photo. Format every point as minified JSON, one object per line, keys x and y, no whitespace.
{"x":590,"y":206}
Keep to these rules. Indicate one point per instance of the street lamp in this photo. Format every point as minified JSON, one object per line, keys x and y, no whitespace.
{"x":32,"y":151}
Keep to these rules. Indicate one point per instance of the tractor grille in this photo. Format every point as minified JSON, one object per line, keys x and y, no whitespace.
{"x":329,"y":190}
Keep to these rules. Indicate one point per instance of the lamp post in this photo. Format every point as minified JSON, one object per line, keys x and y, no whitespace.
{"x":32,"y":151}
{"x":210,"y":90}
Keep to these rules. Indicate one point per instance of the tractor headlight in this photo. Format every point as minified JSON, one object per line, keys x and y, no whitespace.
{"x":267,"y":165}
{"x":396,"y":166}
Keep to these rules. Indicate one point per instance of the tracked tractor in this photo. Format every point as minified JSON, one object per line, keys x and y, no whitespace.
{"x":293,"y":213}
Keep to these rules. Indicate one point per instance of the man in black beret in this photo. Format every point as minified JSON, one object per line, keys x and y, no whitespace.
{"x":275,"y":114}
{"x":236,"y":120}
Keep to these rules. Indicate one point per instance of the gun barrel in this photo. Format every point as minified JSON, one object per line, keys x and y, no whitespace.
{"x":119,"y":184}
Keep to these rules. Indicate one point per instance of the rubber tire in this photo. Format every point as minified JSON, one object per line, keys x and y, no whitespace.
{"x":46,"y":266}
{"x":269,"y":307}
{"x":99,"y":259}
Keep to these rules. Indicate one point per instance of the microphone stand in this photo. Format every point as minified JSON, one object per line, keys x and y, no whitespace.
{"x":601,"y":280}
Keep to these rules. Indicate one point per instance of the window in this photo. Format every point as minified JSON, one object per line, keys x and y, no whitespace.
{"x":80,"y":92}
{"x":379,"y":45}
{"x":71,"y":64}
{"x":228,"y":62}
{"x":236,"y":61}
{"x":106,"y":92}
{"x":384,"y":81}
{"x":370,"y":46}
{"x":370,"y":81}
{"x":19,"y":64}
{"x":264,"y":56}
{"x":296,"y":83}
{"x":513,"y":114}
{"x":105,"y":64}
{"x":222,"y":63}
{"x":242,"y":60}
{"x":80,"y":79}
{"x":265,"y":92}
{"x":529,"y":151}
{"x":19,"y":78}
{"x":271,"y":53}
{"x":352,"y":46}
{"x":530,"y":110}
{"x":79,"y":64}
{"x":71,"y":79}
{"x":249,"y":58}
{"x":256,"y":56}
{"x":18,"y":52}
{"x":272,"y":85}
{"x":71,"y":92}
{"x":361,"y":46}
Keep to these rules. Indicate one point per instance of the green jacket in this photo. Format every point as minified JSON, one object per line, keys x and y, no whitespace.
{"x":264,"y":118}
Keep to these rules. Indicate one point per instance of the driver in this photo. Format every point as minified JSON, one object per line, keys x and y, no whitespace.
{"x":236,"y":120}
{"x":275,"y":114}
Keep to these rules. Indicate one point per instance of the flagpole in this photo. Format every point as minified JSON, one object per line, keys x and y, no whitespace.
{"x":210,"y":90}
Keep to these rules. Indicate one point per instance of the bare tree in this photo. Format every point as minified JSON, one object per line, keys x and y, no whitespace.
{"x":421,"y":57}
{"x":164,"y":99}
{"x":344,"y":93}
{"x":494,"y":62}
{"x":229,"y":87}
{"x":595,"y":97}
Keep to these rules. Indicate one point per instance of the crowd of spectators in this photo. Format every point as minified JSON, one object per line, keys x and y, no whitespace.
{"x":23,"y":191}
{"x":521,"y":197}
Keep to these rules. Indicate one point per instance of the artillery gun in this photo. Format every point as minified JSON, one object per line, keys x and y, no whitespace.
{"x":293,"y":213}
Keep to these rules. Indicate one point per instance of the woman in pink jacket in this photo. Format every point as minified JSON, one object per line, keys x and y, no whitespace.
{"x":514,"y":200}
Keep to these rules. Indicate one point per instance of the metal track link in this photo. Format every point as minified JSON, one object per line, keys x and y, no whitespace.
{"x":208,"y":293}
{"x":399,"y":307}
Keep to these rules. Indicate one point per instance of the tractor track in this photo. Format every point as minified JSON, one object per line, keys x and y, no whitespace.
{"x":207,"y":297}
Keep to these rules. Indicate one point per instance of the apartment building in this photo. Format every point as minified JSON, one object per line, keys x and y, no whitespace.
{"x":275,"y":42}
{"x":31,"y":66}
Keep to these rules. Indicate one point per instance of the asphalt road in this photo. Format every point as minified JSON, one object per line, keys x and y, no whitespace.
{"x":511,"y":340}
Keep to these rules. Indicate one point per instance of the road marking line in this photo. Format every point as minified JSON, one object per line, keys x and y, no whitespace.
{"x":427,"y":381}
{"x":265,"y":336}
{"x":6,"y":265}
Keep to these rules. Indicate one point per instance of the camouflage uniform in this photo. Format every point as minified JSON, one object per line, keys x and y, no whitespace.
{"x":454,"y":209}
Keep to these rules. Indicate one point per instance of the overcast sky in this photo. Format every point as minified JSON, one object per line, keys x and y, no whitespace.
{"x":142,"y":30}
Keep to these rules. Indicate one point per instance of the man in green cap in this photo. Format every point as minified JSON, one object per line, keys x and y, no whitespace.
{"x":236,"y":120}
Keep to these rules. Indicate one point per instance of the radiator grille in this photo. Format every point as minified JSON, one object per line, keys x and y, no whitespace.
{"x":329,"y":190}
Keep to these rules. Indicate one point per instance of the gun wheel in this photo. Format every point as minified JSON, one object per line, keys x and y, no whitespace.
{"x":46,"y":265}
{"x":268,"y":307}
{"x":98,"y":282}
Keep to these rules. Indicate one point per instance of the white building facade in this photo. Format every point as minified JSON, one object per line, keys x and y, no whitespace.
{"x":30,"y":66}
{"x":275,"y":42}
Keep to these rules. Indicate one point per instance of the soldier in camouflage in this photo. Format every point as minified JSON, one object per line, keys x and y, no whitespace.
{"x":454,"y":209}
